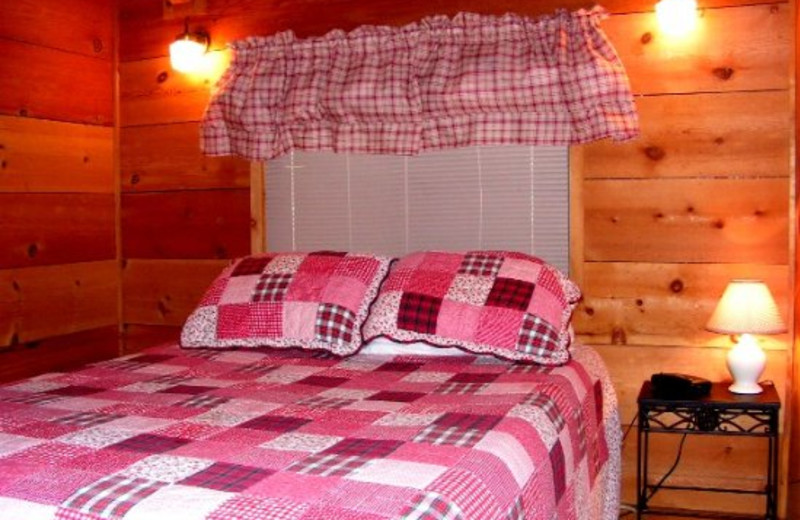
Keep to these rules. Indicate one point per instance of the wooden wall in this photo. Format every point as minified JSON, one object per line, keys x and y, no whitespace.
{"x":661,"y":224}
{"x":58,"y":264}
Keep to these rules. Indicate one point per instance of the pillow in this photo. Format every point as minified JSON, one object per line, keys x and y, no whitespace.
{"x":511,"y":305}
{"x":387,"y":347}
{"x":310,"y":300}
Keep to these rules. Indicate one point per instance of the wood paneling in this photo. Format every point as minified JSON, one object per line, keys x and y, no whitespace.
{"x":666,"y":304}
{"x":79,"y":26}
{"x":186,"y":224}
{"x":739,"y":134}
{"x":48,"y":156}
{"x":168,"y":158}
{"x":140,"y":337}
{"x":734,"y":49}
{"x":51,"y":84}
{"x":687,"y":220}
{"x":39,"y":302}
{"x":59,"y":353}
{"x":55,"y":228}
{"x":165,"y":292}
{"x":146,"y":34}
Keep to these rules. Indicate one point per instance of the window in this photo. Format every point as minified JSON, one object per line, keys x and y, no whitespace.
{"x":502,"y":197}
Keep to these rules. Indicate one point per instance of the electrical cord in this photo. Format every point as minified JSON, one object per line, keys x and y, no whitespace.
{"x":655,"y":488}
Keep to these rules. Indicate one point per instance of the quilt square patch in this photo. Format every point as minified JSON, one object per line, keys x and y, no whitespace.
{"x":334,"y":324}
{"x":536,"y":336}
{"x":510,"y":293}
{"x":227,"y":477}
{"x":458,"y":429}
{"x":271,"y":287}
{"x":395,"y":396}
{"x":275,"y":423}
{"x":479,"y":264}
{"x":148,"y":443}
{"x":325,"y":381}
{"x":112,"y":497}
{"x":345,"y":456}
{"x":75,"y":391}
{"x":418,"y":312}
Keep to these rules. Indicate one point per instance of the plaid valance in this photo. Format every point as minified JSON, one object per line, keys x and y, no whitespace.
{"x":439,"y":83}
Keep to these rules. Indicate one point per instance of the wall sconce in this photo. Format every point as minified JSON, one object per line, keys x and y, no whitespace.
{"x":676,"y":17}
{"x":187,"y":52}
{"x":746,"y":308}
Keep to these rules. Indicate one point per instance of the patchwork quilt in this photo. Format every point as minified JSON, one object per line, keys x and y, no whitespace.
{"x":283,"y":434}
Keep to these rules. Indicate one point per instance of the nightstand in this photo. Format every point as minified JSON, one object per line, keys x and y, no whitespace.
{"x":720,"y":413}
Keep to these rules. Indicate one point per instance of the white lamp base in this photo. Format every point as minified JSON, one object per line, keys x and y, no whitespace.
{"x":746,"y":362}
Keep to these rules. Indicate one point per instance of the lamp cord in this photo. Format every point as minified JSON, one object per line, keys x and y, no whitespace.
{"x":669,"y":472}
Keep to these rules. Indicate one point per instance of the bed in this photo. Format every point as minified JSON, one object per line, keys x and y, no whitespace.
{"x":216,"y":430}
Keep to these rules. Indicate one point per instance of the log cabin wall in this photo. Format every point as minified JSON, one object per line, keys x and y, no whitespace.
{"x":58,"y":265}
{"x":660,"y":225}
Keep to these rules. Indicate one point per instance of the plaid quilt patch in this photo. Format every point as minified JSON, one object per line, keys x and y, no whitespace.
{"x":227,"y":477}
{"x":363,"y":436}
{"x":316,"y":300}
{"x":458,"y":429}
{"x":334,"y":324}
{"x":113,"y":496}
{"x":418,"y":312}
{"x":508,"y":304}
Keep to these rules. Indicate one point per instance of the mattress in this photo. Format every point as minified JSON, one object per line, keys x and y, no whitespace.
{"x":243,"y":434}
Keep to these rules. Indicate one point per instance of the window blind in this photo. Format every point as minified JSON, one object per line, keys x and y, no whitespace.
{"x":502,"y":197}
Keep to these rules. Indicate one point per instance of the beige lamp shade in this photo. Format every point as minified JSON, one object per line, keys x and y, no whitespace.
{"x":746,"y":307}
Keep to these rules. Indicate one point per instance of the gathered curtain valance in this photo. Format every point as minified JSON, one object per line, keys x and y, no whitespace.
{"x":439,"y":83}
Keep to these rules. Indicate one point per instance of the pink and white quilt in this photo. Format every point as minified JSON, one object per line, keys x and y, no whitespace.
{"x":285,"y":434}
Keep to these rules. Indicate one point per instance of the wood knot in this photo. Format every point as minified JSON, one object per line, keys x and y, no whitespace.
{"x":690,"y":209}
{"x":676,"y":285}
{"x":3,"y":164}
{"x":759,"y":213}
{"x":135,"y":178}
{"x":723,"y":73}
{"x":85,"y":159}
{"x":33,"y":250}
{"x":162,"y":77}
{"x":658,"y":216}
{"x":654,"y":153}
{"x":589,"y":311}
{"x":618,"y":336}
{"x":639,"y":302}
{"x":23,"y":112}
{"x":614,"y":220}
{"x":15,"y":286}
{"x":97,"y":44}
{"x":162,"y":308}
{"x":253,"y":223}
{"x":646,"y":38}
{"x":719,"y":223}
{"x":77,"y":283}
{"x":719,"y":141}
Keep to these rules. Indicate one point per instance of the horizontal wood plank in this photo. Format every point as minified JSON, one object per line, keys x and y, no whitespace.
{"x":687,"y":220}
{"x":37,"y":155}
{"x":186,"y":224}
{"x":739,"y":48}
{"x":140,"y":337}
{"x":39,"y":302}
{"x":168,"y":157}
{"x":147,"y":34}
{"x":658,"y":304}
{"x":43,"y":83}
{"x":165,"y":292}
{"x":701,"y":135}
{"x":81,"y":26}
{"x":59,"y":353}
{"x":55,"y":228}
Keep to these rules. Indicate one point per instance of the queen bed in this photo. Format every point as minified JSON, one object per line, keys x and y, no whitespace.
{"x":226,"y":428}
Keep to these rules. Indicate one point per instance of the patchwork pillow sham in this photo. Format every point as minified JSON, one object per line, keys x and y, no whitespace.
{"x":316,"y":300}
{"x":508,"y":304}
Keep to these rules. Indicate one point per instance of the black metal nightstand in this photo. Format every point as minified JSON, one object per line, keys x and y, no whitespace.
{"x":721,"y":413}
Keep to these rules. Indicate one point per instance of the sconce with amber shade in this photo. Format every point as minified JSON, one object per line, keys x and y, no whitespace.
{"x":746,"y":308}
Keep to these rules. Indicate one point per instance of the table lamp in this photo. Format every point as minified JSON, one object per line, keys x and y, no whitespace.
{"x":746,"y":307}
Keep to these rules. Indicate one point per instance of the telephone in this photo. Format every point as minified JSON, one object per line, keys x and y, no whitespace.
{"x":679,"y":386}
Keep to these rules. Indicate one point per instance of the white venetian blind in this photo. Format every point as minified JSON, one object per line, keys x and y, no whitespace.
{"x":503,"y":197}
